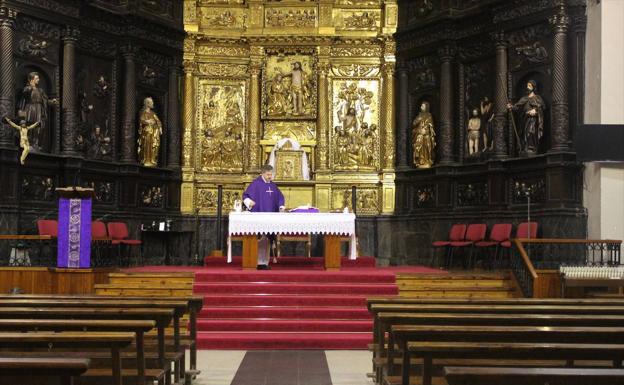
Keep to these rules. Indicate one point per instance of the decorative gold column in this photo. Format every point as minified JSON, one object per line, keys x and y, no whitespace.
{"x":389,"y":123}
{"x":255,"y":126}
{"x":323,"y":110}
{"x":188,"y":125}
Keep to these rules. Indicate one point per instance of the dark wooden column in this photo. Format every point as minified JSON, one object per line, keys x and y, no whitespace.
{"x":446,"y":53}
{"x":579,"y":28}
{"x":128,"y":142}
{"x":69,"y":130}
{"x":560,"y":118}
{"x":500,"y":97}
{"x":403,"y":136}
{"x":173,"y":118}
{"x":7,"y":75}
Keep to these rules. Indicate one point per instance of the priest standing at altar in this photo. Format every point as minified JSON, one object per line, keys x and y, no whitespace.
{"x":262,"y":195}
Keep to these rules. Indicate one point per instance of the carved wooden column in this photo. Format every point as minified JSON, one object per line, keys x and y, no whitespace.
{"x":387,"y":100}
{"x":255,"y":126}
{"x":323,"y":117}
{"x":69,"y":131}
{"x":559,"y":140}
{"x":579,"y":27}
{"x":128,"y":140}
{"x":189,"y":115}
{"x":403,"y":124}
{"x":446,"y":54}
{"x":500,"y":97}
{"x":7,"y":76}
{"x":173,"y":118}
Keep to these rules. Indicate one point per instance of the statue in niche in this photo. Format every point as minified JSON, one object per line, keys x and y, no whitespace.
{"x":23,"y":134}
{"x":298,"y":90}
{"x":423,"y":137}
{"x":209,"y":148}
{"x":99,"y":143}
{"x":33,"y":108}
{"x":278,"y":96}
{"x":150,"y":130}
{"x":342,"y":146}
{"x":101,"y":87}
{"x":474,"y":132}
{"x":532,"y":115}
{"x":487,"y":122}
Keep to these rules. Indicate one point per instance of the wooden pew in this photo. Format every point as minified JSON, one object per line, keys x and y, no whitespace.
{"x":532,"y":376}
{"x":162,"y":318}
{"x":39,"y":371}
{"x":195,"y":304}
{"x":139,"y":328}
{"x":74,"y":340}
{"x":429,"y":351}
{"x":529,"y":334}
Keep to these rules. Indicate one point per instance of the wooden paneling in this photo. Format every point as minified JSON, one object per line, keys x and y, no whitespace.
{"x":31,"y":280}
{"x":42,"y":280}
{"x":547,"y":284}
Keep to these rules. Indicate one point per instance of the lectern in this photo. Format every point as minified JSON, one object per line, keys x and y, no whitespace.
{"x":74,"y":227}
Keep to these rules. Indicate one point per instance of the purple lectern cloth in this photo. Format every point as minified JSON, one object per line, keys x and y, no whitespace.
{"x":74,"y":233}
{"x":308,"y":210}
{"x":267,"y":196}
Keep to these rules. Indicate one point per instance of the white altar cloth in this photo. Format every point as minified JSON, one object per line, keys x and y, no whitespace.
{"x":245,"y":223}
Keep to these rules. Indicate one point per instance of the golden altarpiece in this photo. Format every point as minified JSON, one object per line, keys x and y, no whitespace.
{"x":319,"y":72}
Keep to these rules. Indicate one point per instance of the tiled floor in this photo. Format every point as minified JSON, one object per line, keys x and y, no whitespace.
{"x":283,"y":367}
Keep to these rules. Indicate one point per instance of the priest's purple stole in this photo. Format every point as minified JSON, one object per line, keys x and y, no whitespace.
{"x":267,"y":196}
{"x":74,"y":233}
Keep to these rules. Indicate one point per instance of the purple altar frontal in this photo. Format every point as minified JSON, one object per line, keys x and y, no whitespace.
{"x":305,"y":210}
{"x":74,"y":233}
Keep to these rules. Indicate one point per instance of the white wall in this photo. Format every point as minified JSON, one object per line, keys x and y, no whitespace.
{"x":603,"y":194}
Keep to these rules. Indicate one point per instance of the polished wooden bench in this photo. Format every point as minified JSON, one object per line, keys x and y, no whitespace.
{"x":40,"y":371}
{"x":532,"y":376}
{"x":527,"y":334}
{"x":113,"y":341}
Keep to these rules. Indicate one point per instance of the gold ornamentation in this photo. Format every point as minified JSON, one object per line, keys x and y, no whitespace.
{"x":352,"y":20}
{"x":221,"y":126}
{"x":423,"y":138}
{"x":189,"y":44}
{"x":223,"y":18}
{"x":300,"y":131}
{"x":360,"y":3}
{"x":356,"y":70}
{"x":222,"y":70}
{"x":288,"y":165}
{"x":207,"y":199}
{"x":210,"y":50}
{"x":150,"y":130}
{"x":289,"y":87}
{"x":190,"y":11}
{"x":366,"y":51}
{"x":355,"y":122}
{"x":207,"y":2}
{"x":290,"y":17}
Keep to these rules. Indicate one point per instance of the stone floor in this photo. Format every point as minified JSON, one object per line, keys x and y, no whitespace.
{"x":283,"y":367}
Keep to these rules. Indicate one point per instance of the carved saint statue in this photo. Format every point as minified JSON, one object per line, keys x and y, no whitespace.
{"x":99,"y":144}
{"x":532,"y":114}
{"x":150,"y":130}
{"x":34,"y":108}
{"x":487,"y":123}
{"x":423,"y":137}
{"x":23,"y":133}
{"x":474,"y":132}
{"x":298,"y":89}
{"x":277,"y":96}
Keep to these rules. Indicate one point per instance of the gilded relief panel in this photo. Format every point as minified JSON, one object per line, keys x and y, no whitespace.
{"x":355,"y":122}
{"x":366,"y":199}
{"x":222,"y":116}
{"x":295,"y":17}
{"x":300,"y":131}
{"x":207,"y":198}
{"x":360,"y":20}
{"x":222,"y":18}
{"x":289,"y":87}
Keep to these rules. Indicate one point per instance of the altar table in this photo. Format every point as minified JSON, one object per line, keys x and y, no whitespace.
{"x":332,"y":225}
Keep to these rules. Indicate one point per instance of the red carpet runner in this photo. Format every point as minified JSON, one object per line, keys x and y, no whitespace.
{"x":294,"y":306}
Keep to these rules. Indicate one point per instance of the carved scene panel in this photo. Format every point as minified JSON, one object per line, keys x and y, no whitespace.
{"x":367,"y":199}
{"x":289,"y":87}
{"x":355,"y":124}
{"x":222,"y":116}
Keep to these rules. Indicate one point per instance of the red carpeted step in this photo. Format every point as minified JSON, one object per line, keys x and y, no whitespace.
{"x":299,"y":340}
{"x":283,"y":300}
{"x":364,"y":275}
{"x":289,"y":312}
{"x":294,"y":288}
{"x":293,"y":262}
{"x":284,"y":325}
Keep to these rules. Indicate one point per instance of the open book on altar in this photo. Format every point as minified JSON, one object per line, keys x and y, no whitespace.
{"x":304,"y":209}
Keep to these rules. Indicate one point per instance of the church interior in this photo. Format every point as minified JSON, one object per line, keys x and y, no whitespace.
{"x":315,"y":192}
